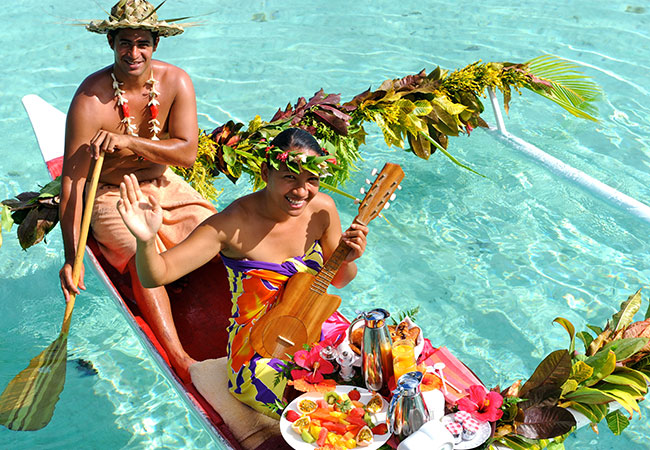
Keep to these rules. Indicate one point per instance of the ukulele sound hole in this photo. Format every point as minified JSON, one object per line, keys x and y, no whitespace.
{"x":285,"y":335}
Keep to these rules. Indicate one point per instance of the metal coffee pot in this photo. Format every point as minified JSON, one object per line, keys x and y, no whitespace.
{"x":407,"y":411}
{"x":376,"y":351}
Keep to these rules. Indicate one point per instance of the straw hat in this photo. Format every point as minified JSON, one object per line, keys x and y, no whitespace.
{"x":138,"y":14}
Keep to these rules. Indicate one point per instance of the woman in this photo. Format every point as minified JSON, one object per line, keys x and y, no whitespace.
{"x":263,"y":238}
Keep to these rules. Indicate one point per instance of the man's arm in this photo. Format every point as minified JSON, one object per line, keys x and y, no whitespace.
{"x":180,"y":148}
{"x":80,"y":127}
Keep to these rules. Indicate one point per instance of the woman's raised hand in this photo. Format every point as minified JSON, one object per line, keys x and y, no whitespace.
{"x":141,"y":215}
{"x":355,"y":238}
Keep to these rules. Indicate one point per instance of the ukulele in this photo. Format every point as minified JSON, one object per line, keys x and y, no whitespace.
{"x":304,"y":304}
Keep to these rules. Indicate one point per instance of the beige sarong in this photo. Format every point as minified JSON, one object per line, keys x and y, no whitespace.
{"x":183,"y":209}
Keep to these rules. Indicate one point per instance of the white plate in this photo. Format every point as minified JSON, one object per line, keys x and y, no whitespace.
{"x":482,"y":435}
{"x":296,"y":442}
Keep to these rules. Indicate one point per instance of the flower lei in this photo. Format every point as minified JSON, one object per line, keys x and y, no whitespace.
{"x":323,"y":166}
{"x":123,"y":103}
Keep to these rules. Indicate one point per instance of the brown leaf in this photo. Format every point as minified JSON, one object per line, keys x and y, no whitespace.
{"x":553,"y":371}
{"x":546,"y":423}
{"x":420,"y":145}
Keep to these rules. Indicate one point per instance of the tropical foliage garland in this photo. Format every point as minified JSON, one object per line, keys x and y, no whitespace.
{"x":417,"y":113}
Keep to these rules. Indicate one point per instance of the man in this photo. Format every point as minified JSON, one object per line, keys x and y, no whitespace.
{"x":142,"y":114}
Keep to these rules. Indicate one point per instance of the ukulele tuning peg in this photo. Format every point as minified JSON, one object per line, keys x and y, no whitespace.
{"x":362,"y":191}
{"x":387,"y":205}
{"x":392,"y":197}
{"x":357,"y":201}
{"x":374,"y":172}
{"x":399,"y":187}
{"x":368,"y":181}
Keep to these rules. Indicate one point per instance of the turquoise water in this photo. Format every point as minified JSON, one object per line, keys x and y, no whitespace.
{"x":492,"y":261}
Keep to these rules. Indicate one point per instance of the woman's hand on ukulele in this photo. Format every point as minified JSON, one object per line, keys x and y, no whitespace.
{"x":141,"y":215}
{"x":355,"y":238}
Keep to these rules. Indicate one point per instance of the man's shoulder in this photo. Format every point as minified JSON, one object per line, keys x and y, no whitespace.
{"x":95,"y":89}
{"x":168,"y":71}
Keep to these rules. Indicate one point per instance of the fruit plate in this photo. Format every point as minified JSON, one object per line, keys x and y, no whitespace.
{"x":295,"y":441}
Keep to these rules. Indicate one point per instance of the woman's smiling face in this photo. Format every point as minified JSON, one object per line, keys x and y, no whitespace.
{"x":292,"y":191}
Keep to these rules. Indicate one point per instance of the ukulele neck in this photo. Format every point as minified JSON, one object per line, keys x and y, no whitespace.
{"x":324,"y":278}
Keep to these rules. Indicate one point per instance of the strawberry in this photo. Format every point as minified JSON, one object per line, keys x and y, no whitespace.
{"x":292,"y":415}
{"x":354,"y":395}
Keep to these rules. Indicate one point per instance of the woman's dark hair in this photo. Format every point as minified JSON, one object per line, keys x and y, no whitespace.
{"x":297,"y":138}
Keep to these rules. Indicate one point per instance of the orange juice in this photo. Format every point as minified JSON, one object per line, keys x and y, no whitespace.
{"x":403,"y":358}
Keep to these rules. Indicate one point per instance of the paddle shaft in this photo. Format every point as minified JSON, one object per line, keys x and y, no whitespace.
{"x":83,"y":237}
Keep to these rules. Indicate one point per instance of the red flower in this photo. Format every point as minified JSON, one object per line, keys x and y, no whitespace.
{"x":313,"y":367}
{"x":331,"y":160}
{"x":483,"y":405}
{"x":283,"y":156}
{"x":125,"y":110}
{"x":154,"y":110}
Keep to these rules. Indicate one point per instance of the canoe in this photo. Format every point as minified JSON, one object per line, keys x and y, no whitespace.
{"x":200,"y":304}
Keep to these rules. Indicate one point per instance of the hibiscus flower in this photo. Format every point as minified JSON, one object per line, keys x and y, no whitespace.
{"x":483,"y":405}
{"x":313,"y":367}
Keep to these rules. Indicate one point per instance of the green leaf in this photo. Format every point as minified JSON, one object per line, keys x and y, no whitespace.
{"x":6,"y":221}
{"x":229,"y":155}
{"x":51,"y":189}
{"x":594,"y":413}
{"x":254,"y":124}
{"x":552,"y":371}
{"x":581,"y":371}
{"x":627,"y":393}
{"x":568,"y":326}
{"x":586,"y":338}
{"x":624,"y":348}
{"x":626,"y":314}
{"x":590,"y":396}
{"x":553,"y":445}
{"x":422,"y":108}
{"x":595,"y":329}
{"x":570,"y":89}
{"x":617,"y":422}
{"x":517,"y":443}
{"x":569,"y":386}
{"x":632,"y":379}
{"x":448,"y":155}
{"x":603,"y":364}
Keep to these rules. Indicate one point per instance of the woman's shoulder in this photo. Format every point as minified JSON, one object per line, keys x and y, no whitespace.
{"x":323,"y":201}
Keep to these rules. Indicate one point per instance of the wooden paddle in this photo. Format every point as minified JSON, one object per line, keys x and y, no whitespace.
{"x":28,"y":401}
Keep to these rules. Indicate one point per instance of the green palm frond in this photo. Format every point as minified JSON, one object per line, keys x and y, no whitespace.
{"x":569,"y":88}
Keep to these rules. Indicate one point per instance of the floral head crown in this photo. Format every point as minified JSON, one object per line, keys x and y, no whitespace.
{"x":323,"y":166}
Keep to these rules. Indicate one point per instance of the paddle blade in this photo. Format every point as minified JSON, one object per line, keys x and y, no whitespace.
{"x":28,"y":401}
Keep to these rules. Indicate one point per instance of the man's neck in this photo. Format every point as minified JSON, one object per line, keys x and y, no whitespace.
{"x":131,"y":82}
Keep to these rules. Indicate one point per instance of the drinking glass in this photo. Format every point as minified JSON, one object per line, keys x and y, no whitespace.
{"x":403,"y":357}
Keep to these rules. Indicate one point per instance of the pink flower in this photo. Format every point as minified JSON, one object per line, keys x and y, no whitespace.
{"x":483,"y":405}
{"x":283,"y":156}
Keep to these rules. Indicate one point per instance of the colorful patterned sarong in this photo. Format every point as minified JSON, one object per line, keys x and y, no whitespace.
{"x":255,"y":286}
